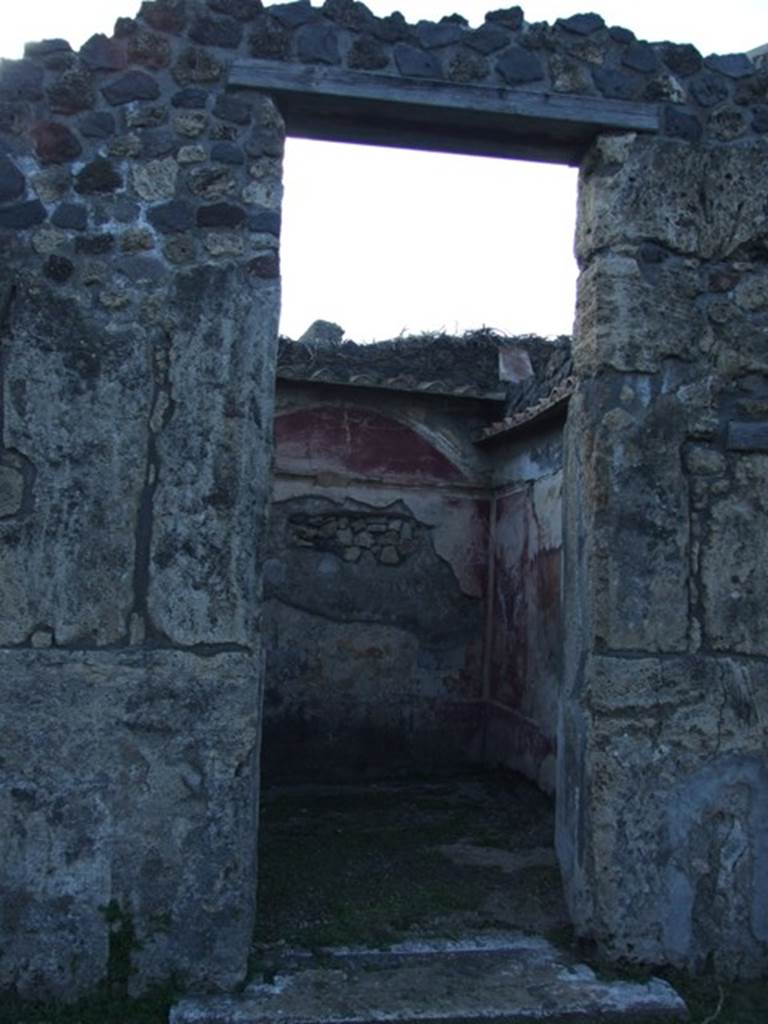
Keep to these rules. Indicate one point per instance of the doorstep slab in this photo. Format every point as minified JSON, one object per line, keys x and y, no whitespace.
{"x":511,"y":978}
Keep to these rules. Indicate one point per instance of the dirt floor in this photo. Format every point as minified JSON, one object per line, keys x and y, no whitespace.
{"x":369,"y":865}
{"x":375,"y":864}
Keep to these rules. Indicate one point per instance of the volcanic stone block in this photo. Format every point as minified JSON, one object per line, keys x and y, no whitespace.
{"x":76,"y":403}
{"x":625,"y":196}
{"x":519,"y":66}
{"x":213,"y":492}
{"x":134,"y":85}
{"x":734,"y":589}
{"x":22,"y":215}
{"x":12,"y":183}
{"x":55,"y":143}
{"x":416,"y":63}
{"x":129,"y":804}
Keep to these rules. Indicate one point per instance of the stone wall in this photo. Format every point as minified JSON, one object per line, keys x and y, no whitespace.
{"x":375,"y":586}
{"x":662,"y":800}
{"x":139,"y":298}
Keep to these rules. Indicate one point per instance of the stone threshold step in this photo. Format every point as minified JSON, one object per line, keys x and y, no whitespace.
{"x":507,"y":978}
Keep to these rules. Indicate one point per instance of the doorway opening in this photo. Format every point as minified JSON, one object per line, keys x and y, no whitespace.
{"x":412,"y":614}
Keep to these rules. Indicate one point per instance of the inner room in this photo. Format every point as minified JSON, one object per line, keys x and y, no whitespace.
{"x":413,"y":576}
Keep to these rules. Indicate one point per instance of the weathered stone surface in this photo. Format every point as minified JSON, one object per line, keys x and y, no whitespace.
{"x":269,"y":39}
{"x":11,"y":490}
{"x":173,"y":217}
{"x":227,"y":153}
{"x":141,"y":739}
{"x":46,"y":47}
{"x":59,"y":269}
{"x":732,"y":541}
{"x":196,"y":65}
{"x":582,"y":24}
{"x":640,"y":57}
{"x":266,"y":266}
{"x":211,"y":182}
{"x":103,"y":54}
{"x":214,"y":487}
{"x":511,"y":17}
{"x":264,"y":220}
{"x":616,"y":322}
{"x":692,"y":784}
{"x":134,"y":85}
{"x":55,"y":143}
{"x":708,"y":90}
{"x":180,"y":250}
{"x":465,"y":66}
{"x":191,"y":98}
{"x":149,"y":49}
{"x":416,"y":63}
{"x":191,"y":125}
{"x":486,"y":39}
{"x":72,"y":92}
{"x":682,"y":58}
{"x":625,"y":196}
{"x":318,"y":44}
{"x":98,"y":124}
{"x":224,"y":32}
{"x":503,"y":978}
{"x":71,"y":217}
{"x":76,"y":401}
{"x":293,"y":14}
{"x":220,"y":215}
{"x":615,"y":84}
{"x":155,"y":179}
{"x":434,"y":35}
{"x":98,"y":176}
{"x":195,"y":154}
{"x":21,"y":79}
{"x":734,"y":65}
{"x":640,"y":530}
{"x":518,"y":66}
{"x":12,"y":181}
{"x":232,"y":109}
{"x":157,"y":142}
{"x":244,"y":10}
{"x":22,"y":215}
{"x":224,"y":243}
{"x":680,"y":125}
{"x":165,"y":15}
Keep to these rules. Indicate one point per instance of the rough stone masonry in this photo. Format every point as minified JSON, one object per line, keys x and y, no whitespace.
{"x":140,"y":198}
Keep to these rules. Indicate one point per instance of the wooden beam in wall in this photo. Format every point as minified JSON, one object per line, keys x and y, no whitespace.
{"x":348,"y":106}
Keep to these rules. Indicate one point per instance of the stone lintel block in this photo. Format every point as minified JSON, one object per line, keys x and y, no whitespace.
{"x":705,"y":201}
{"x":130,"y":782}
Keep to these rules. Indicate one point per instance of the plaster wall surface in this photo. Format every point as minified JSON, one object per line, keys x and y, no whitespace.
{"x":374,"y":586}
{"x":526,"y":637}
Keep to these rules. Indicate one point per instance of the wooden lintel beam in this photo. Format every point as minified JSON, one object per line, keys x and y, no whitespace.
{"x":349,"y":106}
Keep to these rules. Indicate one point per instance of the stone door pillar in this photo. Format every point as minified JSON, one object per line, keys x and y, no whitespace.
{"x":663,"y":774}
{"x":139,"y":301}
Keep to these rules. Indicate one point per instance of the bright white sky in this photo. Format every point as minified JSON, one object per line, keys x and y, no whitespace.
{"x":383,"y":241}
